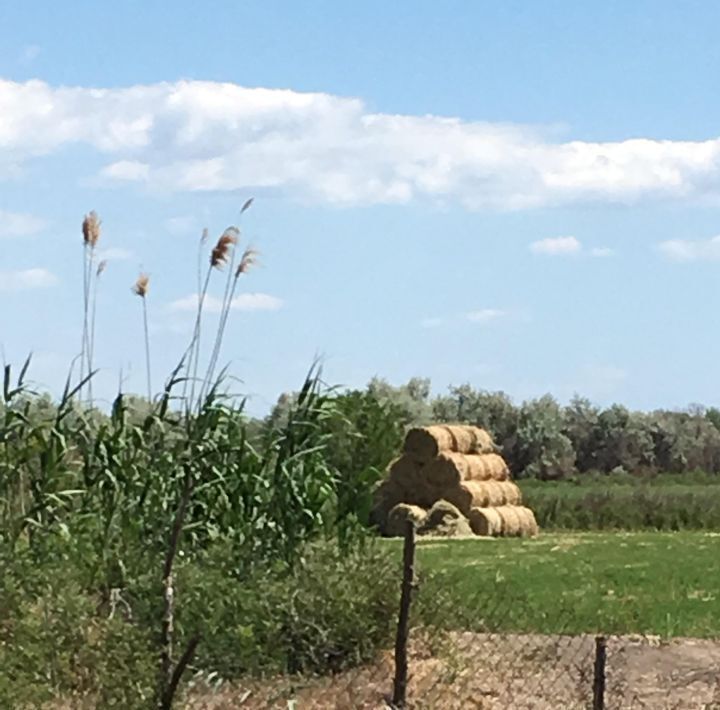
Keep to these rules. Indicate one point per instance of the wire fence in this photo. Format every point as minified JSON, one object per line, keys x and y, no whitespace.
{"x":432,"y":668}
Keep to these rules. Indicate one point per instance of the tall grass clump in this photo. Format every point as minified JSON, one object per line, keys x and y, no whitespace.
{"x":140,"y":542}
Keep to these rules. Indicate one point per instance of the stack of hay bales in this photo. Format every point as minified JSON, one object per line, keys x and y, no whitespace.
{"x":450,"y":480}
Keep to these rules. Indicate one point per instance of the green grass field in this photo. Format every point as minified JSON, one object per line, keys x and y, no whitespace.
{"x":653,"y":583}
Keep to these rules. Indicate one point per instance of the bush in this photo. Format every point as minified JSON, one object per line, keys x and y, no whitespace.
{"x":58,"y":639}
{"x":334,"y":609}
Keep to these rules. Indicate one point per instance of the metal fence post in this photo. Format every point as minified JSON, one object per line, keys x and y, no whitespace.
{"x":599,"y":674}
{"x":401,"y":640}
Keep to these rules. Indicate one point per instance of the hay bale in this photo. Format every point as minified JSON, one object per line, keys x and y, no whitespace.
{"x":445,"y":520}
{"x":481,"y":494}
{"x":407,"y":474}
{"x":424,"y":443}
{"x":530,"y":527}
{"x":517,"y":521}
{"x":511,"y":522}
{"x":399,"y":516}
{"x":485,"y":521}
{"x":450,"y":468}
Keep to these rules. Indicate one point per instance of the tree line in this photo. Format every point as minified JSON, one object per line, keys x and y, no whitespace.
{"x":540,"y":438}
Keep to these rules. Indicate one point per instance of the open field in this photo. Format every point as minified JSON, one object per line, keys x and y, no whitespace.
{"x":652,"y":583}
{"x":682,"y":502}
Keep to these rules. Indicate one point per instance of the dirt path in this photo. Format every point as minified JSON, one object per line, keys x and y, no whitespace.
{"x":507,"y":672}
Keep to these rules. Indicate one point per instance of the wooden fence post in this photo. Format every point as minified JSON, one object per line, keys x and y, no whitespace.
{"x":403,"y":628}
{"x":599,"y":674}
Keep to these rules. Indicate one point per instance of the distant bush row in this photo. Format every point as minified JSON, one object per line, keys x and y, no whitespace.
{"x":542,"y":439}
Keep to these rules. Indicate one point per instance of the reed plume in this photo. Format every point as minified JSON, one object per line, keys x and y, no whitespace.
{"x":221,"y":253}
{"x":91,"y":229}
{"x":247,"y":261}
{"x":223,"y":248}
{"x":140,"y":288}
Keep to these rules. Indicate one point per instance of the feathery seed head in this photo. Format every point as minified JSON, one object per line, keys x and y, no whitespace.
{"x":91,"y":229}
{"x":101,"y":267}
{"x":249,"y":259}
{"x":204,"y":236}
{"x":141,"y":285}
{"x":220,"y":252}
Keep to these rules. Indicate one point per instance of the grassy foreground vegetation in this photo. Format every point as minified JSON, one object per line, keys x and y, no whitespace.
{"x":653,"y":583}
{"x":174,"y":539}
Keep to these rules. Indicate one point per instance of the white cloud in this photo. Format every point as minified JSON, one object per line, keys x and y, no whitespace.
{"x":130,"y":170}
{"x":484,"y":315}
{"x":243,"y":302}
{"x":195,"y":135}
{"x":18,"y":224}
{"x":556,"y":246}
{"x":687,"y":250}
{"x":26,"y":279}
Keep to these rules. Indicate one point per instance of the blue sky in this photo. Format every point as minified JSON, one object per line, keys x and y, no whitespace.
{"x":523,"y":196}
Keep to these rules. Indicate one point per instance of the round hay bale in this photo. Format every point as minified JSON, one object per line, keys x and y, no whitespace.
{"x":447,"y":469}
{"x":445,"y":520}
{"x":513,"y":494}
{"x":425,"y":443}
{"x":481,"y":494}
{"x":483,"y":441}
{"x":408,"y":475}
{"x":399,"y":516}
{"x":496,"y":494}
{"x":491,"y":467}
{"x":511,"y":522}
{"x":450,"y":468}
{"x":464,"y":439}
{"x":485,"y":521}
{"x":528,"y":524}
{"x":467,"y":495}
{"x":404,"y":470}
